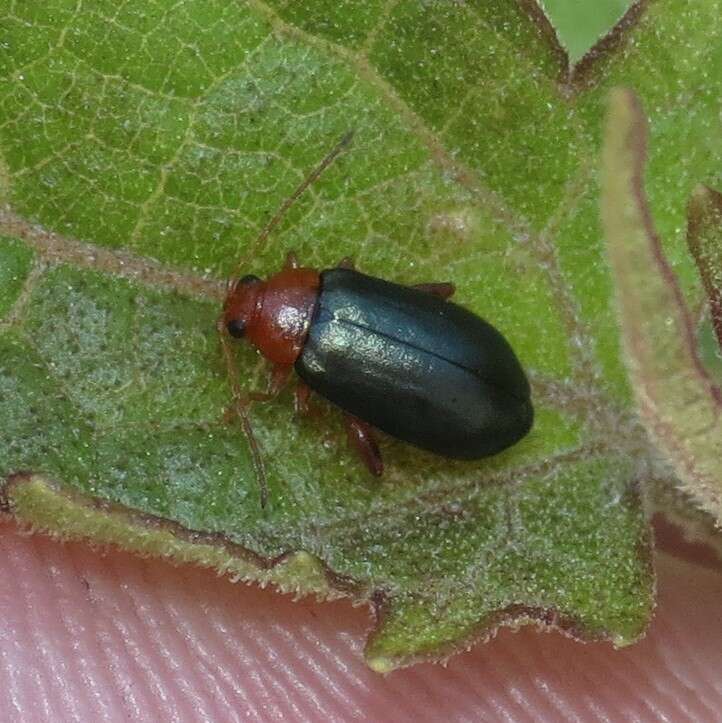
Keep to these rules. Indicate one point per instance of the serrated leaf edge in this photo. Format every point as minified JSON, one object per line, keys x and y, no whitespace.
{"x":286,"y":572}
{"x":152,"y":536}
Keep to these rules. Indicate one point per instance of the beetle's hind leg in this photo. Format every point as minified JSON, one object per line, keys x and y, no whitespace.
{"x":444,"y":289}
{"x":361,"y":436}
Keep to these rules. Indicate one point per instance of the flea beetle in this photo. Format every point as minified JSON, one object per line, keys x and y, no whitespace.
{"x":401,"y":359}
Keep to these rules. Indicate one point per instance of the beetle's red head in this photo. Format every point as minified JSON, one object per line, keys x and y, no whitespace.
{"x":273,"y":315}
{"x":243,"y":305}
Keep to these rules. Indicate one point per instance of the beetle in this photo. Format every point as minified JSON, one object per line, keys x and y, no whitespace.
{"x":401,"y":359}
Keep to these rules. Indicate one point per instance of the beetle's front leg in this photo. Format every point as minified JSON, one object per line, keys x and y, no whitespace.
{"x":279,"y":377}
{"x":346,"y":263}
{"x":240,"y":407}
{"x":361,"y":436}
{"x":300,"y":399}
{"x":444,"y":289}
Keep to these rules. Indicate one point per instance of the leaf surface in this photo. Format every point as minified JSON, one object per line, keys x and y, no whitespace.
{"x":144,"y":146}
{"x":678,"y":400}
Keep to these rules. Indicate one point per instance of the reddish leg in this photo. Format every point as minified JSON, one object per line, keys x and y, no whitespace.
{"x":279,"y":377}
{"x":291,"y":260}
{"x":300,"y":399}
{"x":346,"y":263}
{"x":444,"y":289}
{"x":360,"y":435}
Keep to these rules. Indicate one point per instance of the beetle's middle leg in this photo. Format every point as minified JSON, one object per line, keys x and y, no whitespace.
{"x":443,"y":289}
{"x":361,"y":436}
{"x":346,"y":263}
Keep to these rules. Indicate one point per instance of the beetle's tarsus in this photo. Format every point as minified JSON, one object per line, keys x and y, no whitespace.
{"x":361,"y":436}
{"x":443,"y":289}
{"x":291,"y":260}
{"x":300,"y":399}
{"x":346,"y":263}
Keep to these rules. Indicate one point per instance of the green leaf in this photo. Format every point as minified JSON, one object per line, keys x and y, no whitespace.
{"x":143,"y":147}
{"x":704,"y":237}
{"x":679,"y":401}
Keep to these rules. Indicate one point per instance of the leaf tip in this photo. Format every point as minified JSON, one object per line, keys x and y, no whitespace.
{"x":678,"y":401}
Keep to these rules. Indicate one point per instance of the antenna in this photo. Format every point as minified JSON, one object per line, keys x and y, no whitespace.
{"x":320,"y":168}
{"x":242,"y":402}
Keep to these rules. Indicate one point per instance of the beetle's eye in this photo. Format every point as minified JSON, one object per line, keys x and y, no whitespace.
{"x":236,"y":328}
{"x":248,"y":279}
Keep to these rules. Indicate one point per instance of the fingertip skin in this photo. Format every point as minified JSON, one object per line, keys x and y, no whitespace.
{"x":421,"y":369}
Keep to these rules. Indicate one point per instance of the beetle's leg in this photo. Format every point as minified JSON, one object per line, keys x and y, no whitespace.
{"x":300,"y":399}
{"x":444,"y":289}
{"x":346,"y":263}
{"x":361,"y":435}
{"x":241,"y":403}
{"x":291,"y":261}
{"x":279,"y":377}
